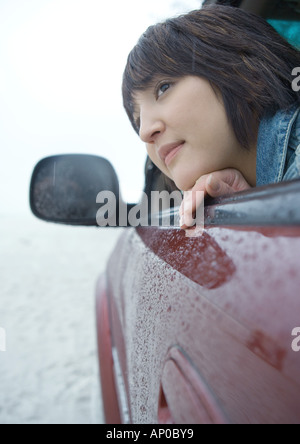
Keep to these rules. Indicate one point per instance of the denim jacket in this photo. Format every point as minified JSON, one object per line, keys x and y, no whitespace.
{"x":278,"y":147}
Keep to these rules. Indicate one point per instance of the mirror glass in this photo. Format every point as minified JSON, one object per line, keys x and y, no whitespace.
{"x":64,"y":188}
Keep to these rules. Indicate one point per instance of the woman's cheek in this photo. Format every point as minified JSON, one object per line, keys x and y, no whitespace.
{"x":151,"y":150}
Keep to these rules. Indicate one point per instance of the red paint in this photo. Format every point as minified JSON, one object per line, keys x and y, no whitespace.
{"x":190,"y":256}
{"x":167,"y":290}
{"x":109,"y":394}
{"x":267,"y":349}
{"x":185,"y":397}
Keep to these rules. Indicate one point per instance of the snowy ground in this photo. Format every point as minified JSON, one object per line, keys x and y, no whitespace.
{"x":49,"y":372}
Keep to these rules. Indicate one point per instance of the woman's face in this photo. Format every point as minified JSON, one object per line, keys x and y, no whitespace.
{"x":185,"y":127}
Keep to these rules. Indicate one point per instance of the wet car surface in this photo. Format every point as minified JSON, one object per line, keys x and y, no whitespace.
{"x":195,"y":330}
{"x":201,"y":328}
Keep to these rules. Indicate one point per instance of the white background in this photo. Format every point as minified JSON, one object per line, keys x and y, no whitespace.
{"x":61,"y":66}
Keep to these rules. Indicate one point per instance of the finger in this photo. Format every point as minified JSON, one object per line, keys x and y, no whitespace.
{"x":192,"y":200}
{"x":226,"y":182}
{"x":190,"y":207}
{"x":216,"y":187}
{"x":194,"y":231}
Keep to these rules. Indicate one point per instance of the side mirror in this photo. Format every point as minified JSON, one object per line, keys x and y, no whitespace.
{"x":64,"y":188}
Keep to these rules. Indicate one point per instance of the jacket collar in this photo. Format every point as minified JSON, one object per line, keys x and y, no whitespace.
{"x":272,"y":145}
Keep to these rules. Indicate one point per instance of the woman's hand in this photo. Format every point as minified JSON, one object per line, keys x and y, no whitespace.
{"x":215,"y":184}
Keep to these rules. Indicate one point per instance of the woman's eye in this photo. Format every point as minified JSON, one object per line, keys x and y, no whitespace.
{"x":163,"y":88}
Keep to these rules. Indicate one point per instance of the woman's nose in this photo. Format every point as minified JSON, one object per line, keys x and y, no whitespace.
{"x":150,"y":128}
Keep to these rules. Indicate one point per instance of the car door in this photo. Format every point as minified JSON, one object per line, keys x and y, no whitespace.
{"x":202,"y":327}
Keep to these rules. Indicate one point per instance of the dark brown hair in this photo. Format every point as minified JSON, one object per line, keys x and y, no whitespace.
{"x":239,"y":53}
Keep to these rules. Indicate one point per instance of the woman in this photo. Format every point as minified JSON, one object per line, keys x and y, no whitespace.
{"x":210,"y":93}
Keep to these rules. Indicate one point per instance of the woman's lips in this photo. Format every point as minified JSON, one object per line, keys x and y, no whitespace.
{"x":172,"y":154}
{"x":168,"y":152}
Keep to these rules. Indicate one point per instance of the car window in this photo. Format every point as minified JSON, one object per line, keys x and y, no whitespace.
{"x":272,"y":205}
{"x":276,"y":205}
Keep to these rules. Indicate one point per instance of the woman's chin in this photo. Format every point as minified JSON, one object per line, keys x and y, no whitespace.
{"x":183,"y":184}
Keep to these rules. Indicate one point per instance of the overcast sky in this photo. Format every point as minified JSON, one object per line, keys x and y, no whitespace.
{"x":61,"y":66}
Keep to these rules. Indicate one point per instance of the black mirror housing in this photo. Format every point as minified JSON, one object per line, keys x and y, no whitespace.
{"x":64,"y":188}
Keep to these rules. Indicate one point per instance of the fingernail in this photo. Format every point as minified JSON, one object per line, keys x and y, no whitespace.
{"x":194,"y":232}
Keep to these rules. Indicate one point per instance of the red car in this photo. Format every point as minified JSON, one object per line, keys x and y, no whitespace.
{"x":191,"y":330}
{"x":200,"y":330}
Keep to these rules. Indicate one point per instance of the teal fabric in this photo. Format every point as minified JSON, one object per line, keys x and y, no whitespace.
{"x":289,"y":30}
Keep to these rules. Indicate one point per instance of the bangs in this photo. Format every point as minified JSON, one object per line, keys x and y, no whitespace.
{"x":155,"y":55}
{"x":240,"y":54}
